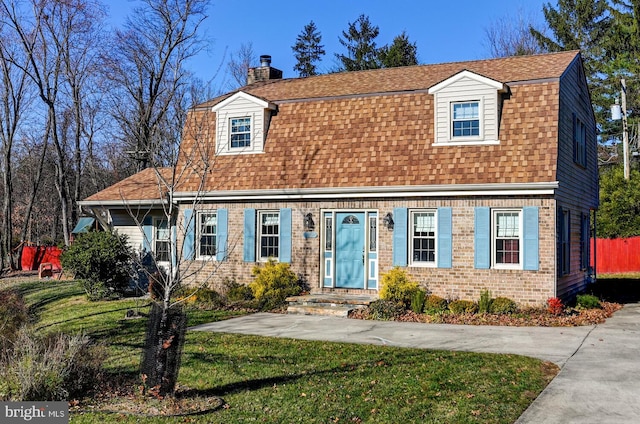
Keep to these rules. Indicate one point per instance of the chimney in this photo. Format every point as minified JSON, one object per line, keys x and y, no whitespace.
{"x":264,"y":72}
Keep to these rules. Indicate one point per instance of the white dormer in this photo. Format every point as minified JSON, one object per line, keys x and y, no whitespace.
{"x":242,"y":122}
{"x":467,"y":109}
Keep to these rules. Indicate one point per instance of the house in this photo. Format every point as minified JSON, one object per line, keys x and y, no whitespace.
{"x":470,"y":175}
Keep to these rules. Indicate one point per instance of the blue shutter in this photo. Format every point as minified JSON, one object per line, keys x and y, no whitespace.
{"x":444,"y":237}
{"x":147,"y":233}
{"x":174,"y":244}
{"x":221,"y":237}
{"x":285,"y":235}
{"x":188,"y":246}
{"x":482,"y":238}
{"x":530,"y":248}
{"x":400,"y":236}
{"x":249,"y":235}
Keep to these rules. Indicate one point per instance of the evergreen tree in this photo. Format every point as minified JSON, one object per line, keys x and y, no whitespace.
{"x":401,"y":53}
{"x":619,"y":213}
{"x":308,"y":50}
{"x":359,"y":40}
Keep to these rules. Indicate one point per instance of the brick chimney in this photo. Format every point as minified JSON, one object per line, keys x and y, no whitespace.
{"x":264,"y":72}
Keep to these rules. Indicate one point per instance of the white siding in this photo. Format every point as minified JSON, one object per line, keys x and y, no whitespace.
{"x":467,"y":89}
{"x":123,"y":223}
{"x":240,"y":108}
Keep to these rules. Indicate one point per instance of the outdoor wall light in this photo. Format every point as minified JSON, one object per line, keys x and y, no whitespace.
{"x":309,"y":225}
{"x":388,"y":221}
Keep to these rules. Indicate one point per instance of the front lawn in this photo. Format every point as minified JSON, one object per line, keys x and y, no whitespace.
{"x":259,"y":379}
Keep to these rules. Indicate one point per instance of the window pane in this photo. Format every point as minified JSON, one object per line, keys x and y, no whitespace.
{"x":423,"y":236}
{"x":328,"y":233}
{"x":466,"y":122}
{"x":507,"y":237}
{"x":240,"y":132}
{"x":208,"y":232}
{"x":162,"y":251}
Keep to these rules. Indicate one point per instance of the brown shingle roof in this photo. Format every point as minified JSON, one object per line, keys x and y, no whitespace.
{"x":375,"y":128}
{"x":143,"y":186}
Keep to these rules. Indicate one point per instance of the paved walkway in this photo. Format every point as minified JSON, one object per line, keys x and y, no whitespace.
{"x":599,"y":381}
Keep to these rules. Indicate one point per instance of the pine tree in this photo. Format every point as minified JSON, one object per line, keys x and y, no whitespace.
{"x":362,"y":52}
{"x":401,"y":53}
{"x":308,"y":50}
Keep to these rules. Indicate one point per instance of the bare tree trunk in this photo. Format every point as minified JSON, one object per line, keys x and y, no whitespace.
{"x":26,"y":228}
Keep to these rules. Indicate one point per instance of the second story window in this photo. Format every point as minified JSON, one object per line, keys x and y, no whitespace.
{"x":240,"y":132}
{"x":465,"y":119}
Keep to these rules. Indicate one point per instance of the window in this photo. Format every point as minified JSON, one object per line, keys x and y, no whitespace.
{"x":579,"y":142}
{"x":465,"y":119}
{"x":269,"y":235}
{"x":507,"y":238}
{"x":423,"y":237}
{"x":240,"y":132}
{"x":207,"y":232}
{"x":162,"y":241}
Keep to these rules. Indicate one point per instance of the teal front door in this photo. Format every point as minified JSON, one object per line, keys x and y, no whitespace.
{"x":350,"y":250}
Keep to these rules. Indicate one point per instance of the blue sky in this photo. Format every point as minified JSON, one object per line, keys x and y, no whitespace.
{"x":444,"y":30}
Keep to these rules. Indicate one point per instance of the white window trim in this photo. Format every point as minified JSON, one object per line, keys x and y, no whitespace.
{"x":230,"y":133}
{"x":156,"y":222}
{"x":494,"y":264}
{"x":423,"y":264}
{"x":463,"y":139}
{"x":259,"y":235}
{"x":199,"y":233}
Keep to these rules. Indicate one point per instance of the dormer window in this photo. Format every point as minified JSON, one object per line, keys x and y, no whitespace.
{"x":467,"y":109}
{"x":465,"y":119}
{"x":240,"y":132}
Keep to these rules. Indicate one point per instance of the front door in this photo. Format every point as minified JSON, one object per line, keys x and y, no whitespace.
{"x":350,"y":259}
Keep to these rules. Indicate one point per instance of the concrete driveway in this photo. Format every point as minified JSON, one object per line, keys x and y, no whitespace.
{"x":599,"y":381}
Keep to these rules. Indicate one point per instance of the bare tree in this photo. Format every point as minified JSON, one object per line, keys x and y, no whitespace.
{"x":240,"y":63}
{"x":49,"y":38}
{"x":511,"y":36}
{"x":14,"y":98}
{"x":147,"y":68}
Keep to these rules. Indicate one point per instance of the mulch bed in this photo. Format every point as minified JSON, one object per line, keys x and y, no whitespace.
{"x":531,"y":317}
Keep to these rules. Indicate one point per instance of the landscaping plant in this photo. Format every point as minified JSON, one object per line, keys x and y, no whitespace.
{"x":463,"y":307}
{"x":435,"y":304}
{"x":396,"y":286}
{"x":555,"y":306}
{"x":588,"y":301}
{"x":503,"y":305}
{"x":484,"y":304}
{"x":274,"y":282}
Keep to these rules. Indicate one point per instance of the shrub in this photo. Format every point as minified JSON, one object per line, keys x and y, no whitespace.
{"x":385,"y":310}
{"x":274,"y":282}
{"x":588,"y":301}
{"x":103,"y":259}
{"x":503,"y":305}
{"x":435,"y":304}
{"x":236,"y":292}
{"x":57,"y":367}
{"x":484,"y":304}
{"x":463,"y":307}
{"x":555,"y":306}
{"x":396,"y":287}
{"x":13,"y":315}
{"x":418,"y":300}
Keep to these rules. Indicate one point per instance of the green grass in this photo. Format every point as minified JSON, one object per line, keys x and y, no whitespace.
{"x":285,"y":381}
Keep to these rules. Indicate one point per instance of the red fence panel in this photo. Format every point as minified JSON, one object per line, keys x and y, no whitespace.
{"x":616,"y":255}
{"x":33,"y":256}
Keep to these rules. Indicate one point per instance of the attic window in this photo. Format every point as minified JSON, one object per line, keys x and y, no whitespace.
{"x":240,"y":132}
{"x":465,"y":120}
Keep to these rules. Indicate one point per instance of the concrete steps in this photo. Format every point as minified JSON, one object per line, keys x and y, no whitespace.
{"x":338,"y":305}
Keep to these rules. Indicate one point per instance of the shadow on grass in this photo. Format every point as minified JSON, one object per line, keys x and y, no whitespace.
{"x":619,"y":290}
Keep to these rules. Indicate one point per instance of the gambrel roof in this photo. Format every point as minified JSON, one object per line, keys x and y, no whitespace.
{"x":373,"y":130}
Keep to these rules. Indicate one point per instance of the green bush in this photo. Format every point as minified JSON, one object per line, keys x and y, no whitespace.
{"x":397,"y":287}
{"x":385,"y":310}
{"x":14,"y":314}
{"x":463,"y":307}
{"x":236,"y":292}
{"x":417,"y":301}
{"x":103,"y":259}
{"x":484,"y":304}
{"x":588,"y":301}
{"x":57,"y":367}
{"x":435,"y":304}
{"x":503,"y":305}
{"x":274,"y":282}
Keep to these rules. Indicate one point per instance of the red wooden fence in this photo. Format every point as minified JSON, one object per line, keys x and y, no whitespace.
{"x":617,"y":255}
